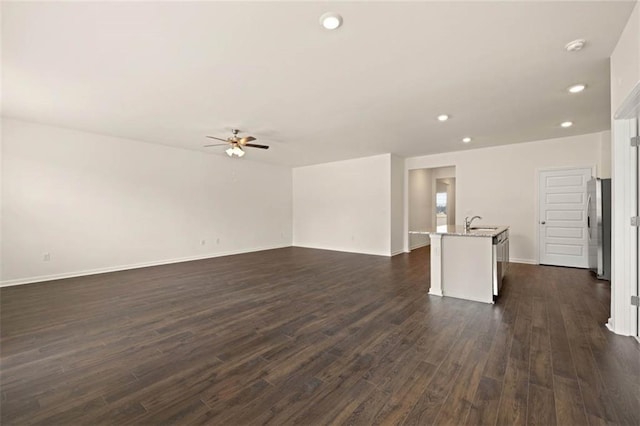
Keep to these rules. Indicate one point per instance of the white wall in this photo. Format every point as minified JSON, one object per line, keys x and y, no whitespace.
{"x":625,"y":75}
{"x":344,"y":205}
{"x":625,"y":61}
{"x":443,"y":173}
{"x":421,"y":205}
{"x":605,"y":155}
{"x":499,"y":183}
{"x":98,"y":203}
{"x":451,"y":199}
{"x":397,"y":205}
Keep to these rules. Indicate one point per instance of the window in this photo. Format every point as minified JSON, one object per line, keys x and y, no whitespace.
{"x":441,"y":202}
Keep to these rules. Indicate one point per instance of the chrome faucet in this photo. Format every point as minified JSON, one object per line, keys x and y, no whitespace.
{"x":467,"y":222}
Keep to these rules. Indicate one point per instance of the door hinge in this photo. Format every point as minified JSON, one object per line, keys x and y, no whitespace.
{"x":635,"y":221}
{"x":635,"y":141}
{"x":635,"y":301}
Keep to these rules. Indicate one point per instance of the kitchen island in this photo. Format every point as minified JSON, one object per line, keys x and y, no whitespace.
{"x":468,"y":263}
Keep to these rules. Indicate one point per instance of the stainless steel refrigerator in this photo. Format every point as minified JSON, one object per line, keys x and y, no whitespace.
{"x":599,"y":226}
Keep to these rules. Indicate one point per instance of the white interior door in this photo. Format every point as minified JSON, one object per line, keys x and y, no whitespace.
{"x":562,"y":200}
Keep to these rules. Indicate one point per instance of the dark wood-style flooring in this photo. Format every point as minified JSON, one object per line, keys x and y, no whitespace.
{"x":301,"y":336}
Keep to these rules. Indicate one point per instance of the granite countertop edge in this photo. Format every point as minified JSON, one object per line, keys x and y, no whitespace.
{"x":458,"y":230}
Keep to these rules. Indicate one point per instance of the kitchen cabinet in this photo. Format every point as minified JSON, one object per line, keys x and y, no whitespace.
{"x":468,"y":263}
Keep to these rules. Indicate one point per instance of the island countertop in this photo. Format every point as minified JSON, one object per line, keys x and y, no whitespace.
{"x":459,"y":230}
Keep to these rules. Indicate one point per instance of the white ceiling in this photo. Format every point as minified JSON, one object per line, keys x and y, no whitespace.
{"x":171,"y":73}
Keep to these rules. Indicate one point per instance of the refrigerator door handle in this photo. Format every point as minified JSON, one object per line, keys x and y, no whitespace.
{"x":589,"y":215}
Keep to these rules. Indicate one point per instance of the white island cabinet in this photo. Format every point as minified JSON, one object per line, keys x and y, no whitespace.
{"x":468,"y":264}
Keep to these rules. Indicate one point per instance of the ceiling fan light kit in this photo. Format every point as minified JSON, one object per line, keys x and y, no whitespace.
{"x":236,"y":144}
{"x":235,"y":150}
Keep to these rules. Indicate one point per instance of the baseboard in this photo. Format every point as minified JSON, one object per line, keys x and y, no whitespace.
{"x":609,"y":325}
{"x":397,"y":252}
{"x":370,"y":253}
{"x":527,"y":261}
{"x":41,"y":278}
{"x":417,"y":246}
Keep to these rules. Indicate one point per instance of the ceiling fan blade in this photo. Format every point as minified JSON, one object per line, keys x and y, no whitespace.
{"x":243,"y":141}
{"x":253,"y":145}
{"x":220,"y":139}
{"x":216,"y":144}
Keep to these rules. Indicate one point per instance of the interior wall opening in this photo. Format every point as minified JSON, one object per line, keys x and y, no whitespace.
{"x":432,"y":201}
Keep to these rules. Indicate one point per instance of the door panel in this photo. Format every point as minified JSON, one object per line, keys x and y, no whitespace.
{"x":568,"y":249}
{"x":565,"y":198}
{"x":562,"y":226}
{"x":569,"y":216}
{"x":563,"y":181}
{"x":565,"y":232}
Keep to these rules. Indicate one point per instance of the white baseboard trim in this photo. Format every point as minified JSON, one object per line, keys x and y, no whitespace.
{"x":370,"y":253}
{"x":527,"y":261}
{"x":41,"y":278}
{"x":416,"y":246}
{"x":609,"y":325}
{"x":397,"y":252}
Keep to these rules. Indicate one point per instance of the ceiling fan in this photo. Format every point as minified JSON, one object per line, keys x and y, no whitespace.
{"x":237,"y":143}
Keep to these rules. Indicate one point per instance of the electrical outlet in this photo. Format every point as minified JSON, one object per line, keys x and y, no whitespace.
{"x":46,"y":257}
{"x":217,"y":240}
{"x":203,"y":242}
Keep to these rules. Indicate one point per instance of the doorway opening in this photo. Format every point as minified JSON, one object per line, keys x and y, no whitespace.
{"x":432,"y":201}
{"x":445,"y":201}
{"x":625,"y":284}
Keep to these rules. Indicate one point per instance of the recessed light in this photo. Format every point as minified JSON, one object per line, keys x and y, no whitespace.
{"x":466,"y":140}
{"x":566,"y":124}
{"x":575,"y":45}
{"x":577,"y":88}
{"x":443,"y":117}
{"x":331,"y":21}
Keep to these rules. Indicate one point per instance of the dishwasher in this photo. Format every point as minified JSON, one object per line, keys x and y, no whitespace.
{"x":500,"y":260}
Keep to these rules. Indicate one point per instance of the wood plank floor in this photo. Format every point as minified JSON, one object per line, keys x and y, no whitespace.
{"x":301,"y":336}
